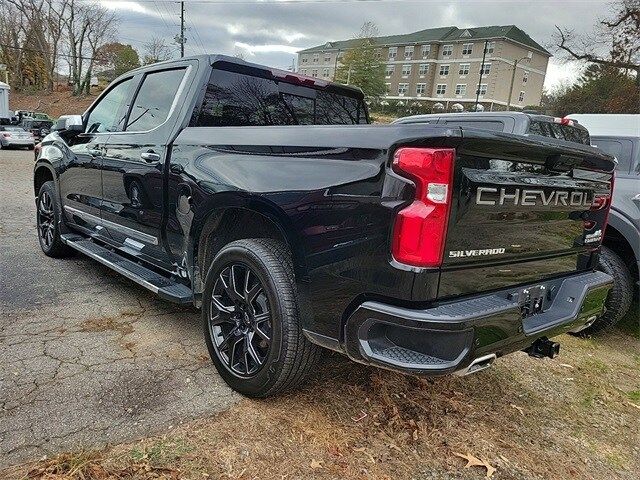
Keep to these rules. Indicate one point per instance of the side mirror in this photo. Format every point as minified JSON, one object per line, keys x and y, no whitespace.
{"x":70,"y":123}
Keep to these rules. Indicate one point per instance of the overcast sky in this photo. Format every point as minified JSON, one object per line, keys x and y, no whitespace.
{"x":271,"y":31}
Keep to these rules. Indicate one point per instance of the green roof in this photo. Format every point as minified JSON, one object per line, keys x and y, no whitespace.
{"x":442,"y":34}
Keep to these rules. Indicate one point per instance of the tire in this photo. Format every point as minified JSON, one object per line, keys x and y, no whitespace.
{"x":49,"y":222}
{"x":249,"y":363}
{"x":619,"y":299}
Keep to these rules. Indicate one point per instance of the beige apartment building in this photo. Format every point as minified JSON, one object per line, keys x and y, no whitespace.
{"x":445,"y":64}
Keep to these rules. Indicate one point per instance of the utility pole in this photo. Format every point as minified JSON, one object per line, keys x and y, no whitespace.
{"x":513,"y":77}
{"x":484,"y":56}
{"x":182,"y":39}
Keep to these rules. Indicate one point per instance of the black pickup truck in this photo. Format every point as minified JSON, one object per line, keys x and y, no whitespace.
{"x":263,"y":198}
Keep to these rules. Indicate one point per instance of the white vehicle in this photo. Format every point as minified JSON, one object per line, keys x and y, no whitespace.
{"x":12,"y":136}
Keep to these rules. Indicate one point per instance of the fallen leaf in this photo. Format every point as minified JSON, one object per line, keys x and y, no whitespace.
{"x":415,"y":435}
{"x":565,"y":365}
{"x":476,"y":462}
{"x":363,"y":416}
{"x":634,"y":405}
{"x":316,"y":464}
{"x":520,"y":409}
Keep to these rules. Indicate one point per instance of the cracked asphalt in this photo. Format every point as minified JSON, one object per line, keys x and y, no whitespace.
{"x":87,"y":357}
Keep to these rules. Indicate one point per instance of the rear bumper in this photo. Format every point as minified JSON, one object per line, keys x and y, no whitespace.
{"x":18,"y":142}
{"x":449,"y":337}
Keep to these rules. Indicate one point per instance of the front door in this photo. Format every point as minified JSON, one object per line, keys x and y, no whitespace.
{"x":133,"y":167}
{"x":81,"y":179}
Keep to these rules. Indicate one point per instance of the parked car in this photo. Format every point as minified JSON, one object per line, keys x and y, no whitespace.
{"x":39,"y":128}
{"x":264,"y":198}
{"x":619,"y":255}
{"x":12,"y":136}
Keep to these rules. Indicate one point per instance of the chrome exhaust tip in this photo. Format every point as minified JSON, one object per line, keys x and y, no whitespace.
{"x":478,"y":364}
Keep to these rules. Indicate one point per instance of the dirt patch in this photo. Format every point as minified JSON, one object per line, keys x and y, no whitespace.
{"x":123,"y":327}
{"x":575,"y":417}
{"x":53,"y":104}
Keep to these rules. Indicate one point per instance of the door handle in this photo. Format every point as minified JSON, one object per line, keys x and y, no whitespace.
{"x":95,"y":152}
{"x":150,"y":157}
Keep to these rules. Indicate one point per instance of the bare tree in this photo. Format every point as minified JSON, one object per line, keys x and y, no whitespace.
{"x":87,"y":27}
{"x":614,"y":44}
{"x":156,"y":50}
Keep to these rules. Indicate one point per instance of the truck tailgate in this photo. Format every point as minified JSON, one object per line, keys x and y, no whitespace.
{"x":522,"y":211}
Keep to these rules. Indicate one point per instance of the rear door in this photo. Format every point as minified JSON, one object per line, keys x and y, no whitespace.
{"x":522,"y":212}
{"x":133,"y":165}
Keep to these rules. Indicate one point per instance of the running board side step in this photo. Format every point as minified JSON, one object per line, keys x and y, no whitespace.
{"x":164,"y":287}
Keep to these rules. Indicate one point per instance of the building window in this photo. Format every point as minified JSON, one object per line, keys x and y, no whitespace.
{"x":303,"y":71}
{"x":521,"y":97}
{"x":402,"y":88}
{"x":327,"y":57}
{"x":482,"y":89}
{"x":393,"y":51}
{"x":406,"y":70}
{"x":316,"y":56}
{"x":425,"y":50}
{"x":421,"y":88}
{"x":424,"y":68}
{"x":485,"y":69}
{"x":441,"y":89}
{"x":464,"y":69}
{"x":408,"y":52}
{"x":340,"y":55}
{"x":325,"y":73}
{"x":490,"y":47}
{"x":387,"y":88}
{"x":461,"y":89}
{"x":444,"y":70}
{"x":304,"y":59}
{"x":525,"y":77}
{"x":314,"y":72}
{"x":378,"y":54}
{"x":467,"y":48}
{"x":389,"y":70}
{"x":447,"y":50}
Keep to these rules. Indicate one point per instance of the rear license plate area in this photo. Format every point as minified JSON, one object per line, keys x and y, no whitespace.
{"x":532,"y":300}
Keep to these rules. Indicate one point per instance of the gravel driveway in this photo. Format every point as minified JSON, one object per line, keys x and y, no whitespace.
{"x":86,"y":356}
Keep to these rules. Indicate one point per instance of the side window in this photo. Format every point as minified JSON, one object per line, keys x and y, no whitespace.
{"x":153,"y":102}
{"x":620,"y":148}
{"x":108,"y":115}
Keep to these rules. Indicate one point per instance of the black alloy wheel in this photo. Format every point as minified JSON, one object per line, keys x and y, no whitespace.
{"x":252,"y":320}
{"x":46,"y":220}
{"x":50,"y":223}
{"x":240,"y":320}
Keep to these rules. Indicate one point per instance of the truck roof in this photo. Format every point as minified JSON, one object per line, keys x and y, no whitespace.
{"x":217,"y":58}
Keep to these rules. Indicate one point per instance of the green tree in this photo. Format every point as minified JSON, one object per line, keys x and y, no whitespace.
{"x":115,"y":58}
{"x":361,"y":66}
{"x":600,"y":89}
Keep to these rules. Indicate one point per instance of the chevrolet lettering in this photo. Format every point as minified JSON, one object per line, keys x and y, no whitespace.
{"x":529,"y":198}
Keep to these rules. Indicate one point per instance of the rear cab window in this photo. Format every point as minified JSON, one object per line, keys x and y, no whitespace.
{"x":550,"y":129}
{"x":252,"y":97}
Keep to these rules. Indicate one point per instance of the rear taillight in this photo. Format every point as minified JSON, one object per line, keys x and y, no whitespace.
{"x":6,"y":135}
{"x":420,"y":229}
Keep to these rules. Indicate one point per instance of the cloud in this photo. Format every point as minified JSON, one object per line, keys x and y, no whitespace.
{"x":253,"y":49}
{"x":271,"y":32}
{"x":125,"y":6}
